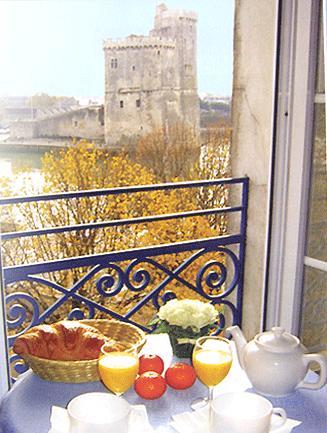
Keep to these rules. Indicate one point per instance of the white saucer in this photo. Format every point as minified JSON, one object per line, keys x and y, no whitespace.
{"x":138,"y":420}
{"x":197,"y":421}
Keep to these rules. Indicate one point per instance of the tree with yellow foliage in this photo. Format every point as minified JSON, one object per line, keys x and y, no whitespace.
{"x":214,"y":163}
{"x":170,"y":152}
{"x":84,"y":167}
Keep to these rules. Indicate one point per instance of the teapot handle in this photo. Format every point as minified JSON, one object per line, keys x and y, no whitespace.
{"x":322,"y":361}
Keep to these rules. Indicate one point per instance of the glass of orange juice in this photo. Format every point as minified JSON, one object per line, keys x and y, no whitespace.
{"x":212,"y":360}
{"x":118,"y":369}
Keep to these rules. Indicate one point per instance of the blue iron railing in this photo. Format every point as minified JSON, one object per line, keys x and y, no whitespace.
{"x":115,"y":272}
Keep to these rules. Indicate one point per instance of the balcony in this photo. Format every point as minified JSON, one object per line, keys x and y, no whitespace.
{"x":126,"y":284}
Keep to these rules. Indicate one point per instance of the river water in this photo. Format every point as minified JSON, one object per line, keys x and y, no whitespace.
{"x":10,"y":161}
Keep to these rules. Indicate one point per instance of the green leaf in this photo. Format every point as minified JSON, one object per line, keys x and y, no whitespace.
{"x":162,"y":328}
{"x":154,"y":321}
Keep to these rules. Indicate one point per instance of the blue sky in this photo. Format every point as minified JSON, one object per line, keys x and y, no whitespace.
{"x":55,"y":46}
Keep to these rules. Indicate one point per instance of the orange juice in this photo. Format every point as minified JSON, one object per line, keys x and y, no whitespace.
{"x":211,"y":366}
{"x":118,"y":371}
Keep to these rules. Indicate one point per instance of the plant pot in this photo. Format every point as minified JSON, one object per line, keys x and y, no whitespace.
{"x":182,"y":350}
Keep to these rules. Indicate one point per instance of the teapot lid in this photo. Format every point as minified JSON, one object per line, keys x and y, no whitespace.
{"x":277,"y":340}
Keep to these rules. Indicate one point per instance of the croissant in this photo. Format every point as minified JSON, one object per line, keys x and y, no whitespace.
{"x":63,"y":341}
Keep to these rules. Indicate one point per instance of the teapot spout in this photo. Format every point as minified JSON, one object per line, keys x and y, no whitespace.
{"x":240,"y":341}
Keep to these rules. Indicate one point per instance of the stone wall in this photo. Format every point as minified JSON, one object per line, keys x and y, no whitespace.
{"x":24,"y":129}
{"x":85,"y":123}
{"x":254,"y":55}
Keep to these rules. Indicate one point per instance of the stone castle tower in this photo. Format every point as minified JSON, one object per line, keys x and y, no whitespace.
{"x":151,"y":81}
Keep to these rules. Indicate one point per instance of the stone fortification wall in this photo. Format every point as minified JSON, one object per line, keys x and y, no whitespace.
{"x":24,"y":129}
{"x":85,"y":123}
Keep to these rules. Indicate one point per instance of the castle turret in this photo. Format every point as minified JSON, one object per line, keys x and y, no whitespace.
{"x":181,"y":26}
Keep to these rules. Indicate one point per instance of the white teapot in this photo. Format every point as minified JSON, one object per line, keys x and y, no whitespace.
{"x":276,"y":362}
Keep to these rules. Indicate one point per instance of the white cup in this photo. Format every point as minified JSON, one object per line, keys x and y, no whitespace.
{"x":98,"y":412}
{"x":242,"y":412}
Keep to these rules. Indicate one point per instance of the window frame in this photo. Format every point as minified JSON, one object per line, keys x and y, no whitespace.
{"x":5,"y":373}
{"x":291,"y":163}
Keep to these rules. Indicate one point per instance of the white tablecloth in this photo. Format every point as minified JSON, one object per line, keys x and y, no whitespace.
{"x":27,"y":406}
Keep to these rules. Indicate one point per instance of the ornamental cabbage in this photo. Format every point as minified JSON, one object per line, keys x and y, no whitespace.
{"x":188,"y":313}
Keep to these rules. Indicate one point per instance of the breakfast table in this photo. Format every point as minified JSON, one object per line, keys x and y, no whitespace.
{"x":26,"y":408}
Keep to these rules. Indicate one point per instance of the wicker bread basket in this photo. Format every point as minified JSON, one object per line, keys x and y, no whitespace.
{"x":86,"y":371}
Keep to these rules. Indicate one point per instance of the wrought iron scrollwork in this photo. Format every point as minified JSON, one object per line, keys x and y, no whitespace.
{"x":79,"y":313}
{"x":214,"y":279}
{"x":168,"y":296}
{"x":108,"y":285}
{"x":138,"y":279}
{"x":22,"y":308}
{"x":221,"y":320}
{"x":18,"y":365}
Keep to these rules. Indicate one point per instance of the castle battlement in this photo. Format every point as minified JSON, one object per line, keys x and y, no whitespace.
{"x":179,"y":14}
{"x":138,"y":42}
